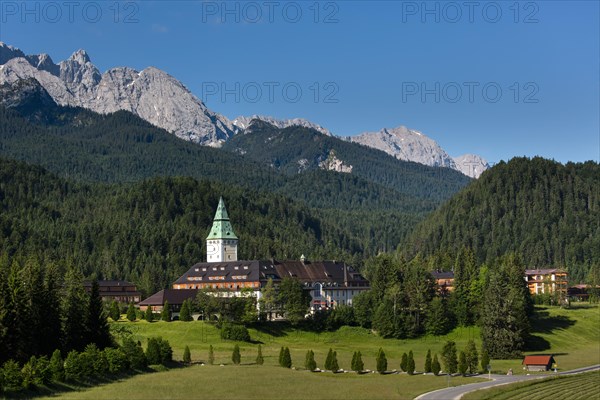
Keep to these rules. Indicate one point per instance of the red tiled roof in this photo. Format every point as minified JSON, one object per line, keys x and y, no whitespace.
{"x":538,"y":360}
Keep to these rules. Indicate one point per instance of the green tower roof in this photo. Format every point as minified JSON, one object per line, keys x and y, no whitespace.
{"x":221,"y":228}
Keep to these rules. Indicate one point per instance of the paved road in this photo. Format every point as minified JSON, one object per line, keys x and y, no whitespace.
{"x":455,"y":393}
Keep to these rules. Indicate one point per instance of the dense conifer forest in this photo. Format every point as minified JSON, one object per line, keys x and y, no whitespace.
{"x":546,"y":212}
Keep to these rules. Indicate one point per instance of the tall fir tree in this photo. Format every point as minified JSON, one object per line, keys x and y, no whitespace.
{"x":75,"y":311}
{"x":97,"y":324}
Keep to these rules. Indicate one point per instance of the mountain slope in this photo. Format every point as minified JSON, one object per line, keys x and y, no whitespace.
{"x":296,"y":149}
{"x":546,"y":212}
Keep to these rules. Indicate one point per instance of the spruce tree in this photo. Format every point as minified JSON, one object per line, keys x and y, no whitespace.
{"x":115,"y":311}
{"x":97,"y":324}
{"x":381,"y":361}
{"x":211,"y":355}
{"x":236,"y":356}
{"x":165,"y":314}
{"x":449,"y":357}
{"x":281,"y":353}
{"x":185,"y":314}
{"x":310,"y":363}
{"x":131,"y":312}
{"x":360,"y":366}
{"x":334,"y":362}
{"x":149,"y":314}
{"x":187,"y":356}
{"x":259,"y":357}
{"x":329,"y":360}
{"x":404,"y":362}
{"x":428,"y":362}
{"x":286,"y":361}
{"x":410,"y":363}
{"x":435,"y":365}
{"x":74,"y":312}
{"x":472,"y":356}
{"x":462,"y":363}
{"x":51,"y":321}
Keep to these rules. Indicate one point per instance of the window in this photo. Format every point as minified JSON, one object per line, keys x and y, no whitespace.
{"x":236,"y":268}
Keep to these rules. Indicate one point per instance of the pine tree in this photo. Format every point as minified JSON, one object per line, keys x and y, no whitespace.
{"x":131,"y":312}
{"x":435,"y":365}
{"x":462,"y":363}
{"x":485,"y":359}
{"x":115,"y":311}
{"x":259,"y":357}
{"x":428,"y":368}
{"x":411,"y":363}
{"x":310,"y":363}
{"x":51,"y":321}
{"x":449,"y":357}
{"x":286,"y":361}
{"x":211,"y":355}
{"x":236,"y":356}
{"x":185,"y":314}
{"x":149,"y":314}
{"x":165,"y":314}
{"x":472,"y":356}
{"x":187,"y":356}
{"x":97,"y":325}
{"x":404,"y":362}
{"x":381,"y":361}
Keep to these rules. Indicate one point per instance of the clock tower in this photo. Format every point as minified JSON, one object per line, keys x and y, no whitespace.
{"x":221,"y":243}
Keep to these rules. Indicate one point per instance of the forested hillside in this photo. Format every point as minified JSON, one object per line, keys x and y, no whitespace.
{"x":546,"y":212}
{"x":151,"y":232}
{"x":295,"y":149}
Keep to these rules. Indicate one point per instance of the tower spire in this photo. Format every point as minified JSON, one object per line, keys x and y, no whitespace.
{"x":221,"y":243}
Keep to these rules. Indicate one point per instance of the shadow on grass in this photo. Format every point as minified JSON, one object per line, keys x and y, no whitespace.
{"x":274,"y":328}
{"x":542,"y":322}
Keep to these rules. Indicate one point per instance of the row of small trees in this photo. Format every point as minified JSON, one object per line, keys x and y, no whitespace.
{"x":83,"y":366}
{"x":466,"y":362}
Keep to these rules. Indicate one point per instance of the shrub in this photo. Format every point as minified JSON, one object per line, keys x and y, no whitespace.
{"x":12,"y":377}
{"x":449,"y":357}
{"x":187,"y":356}
{"x":73,"y":366}
{"x":381,"y":361}
{"x":259,"y":357}
{"x":310,"y":363}
{"x":236,"y":357}
{"x":281,"y":352}
{"x":235,"y":332}
{"x":57,"y":367}
{"x":134,"y":353}
{"x":411,"y":363}
{"x":116,"y":359}
{"x":329,"y":360}
{"x":334,"y":362}
{"x":185,"y":313}
{"x":472,"y":356}
{"x":166,"y":351}
{"x":159,"y":351}
{"x":36,"y":372}
{"x":165,"y":314}
{"x":485,"y":359}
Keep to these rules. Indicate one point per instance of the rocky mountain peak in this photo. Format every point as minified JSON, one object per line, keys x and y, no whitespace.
{"x":80,"y":56}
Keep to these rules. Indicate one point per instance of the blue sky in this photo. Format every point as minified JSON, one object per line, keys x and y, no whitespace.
{"x":500,"y":79}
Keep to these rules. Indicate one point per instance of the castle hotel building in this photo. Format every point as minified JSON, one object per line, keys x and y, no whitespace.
{"x":331,"y":283}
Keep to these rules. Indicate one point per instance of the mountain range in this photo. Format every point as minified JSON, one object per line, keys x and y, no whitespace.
{"x":162,"y":100}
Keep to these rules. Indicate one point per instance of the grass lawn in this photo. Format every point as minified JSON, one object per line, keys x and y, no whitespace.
{"x":265,"y":382}
{"x":572,"y":335}
{"x":576,"y":387}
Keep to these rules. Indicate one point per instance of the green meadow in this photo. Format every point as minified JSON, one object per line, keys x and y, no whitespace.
{"x":572,"y":335}
{"x":574,"y":387}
